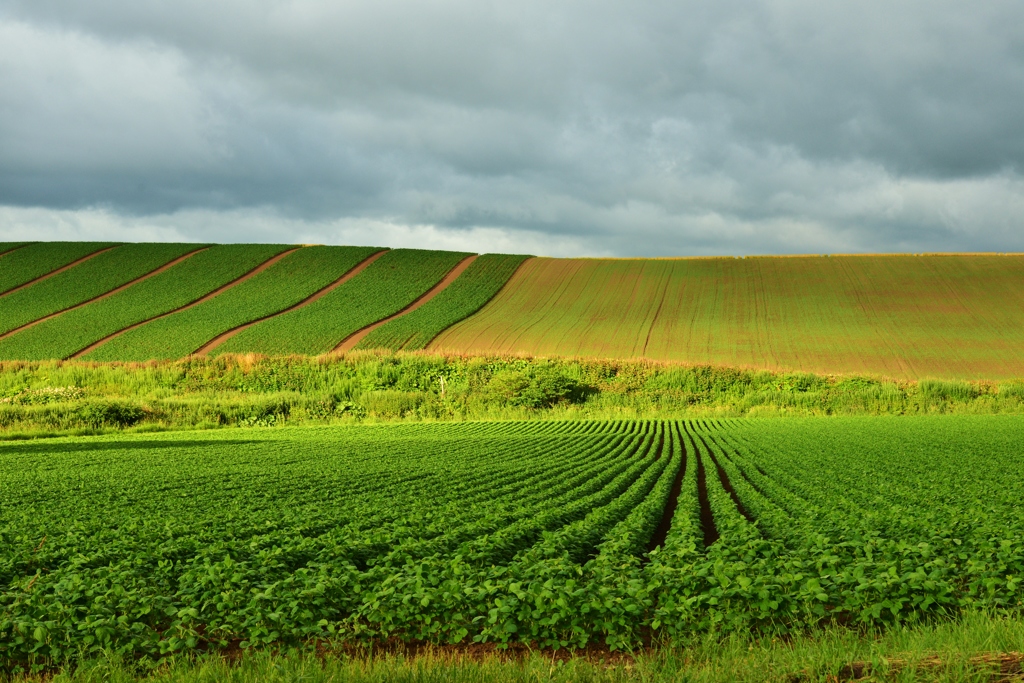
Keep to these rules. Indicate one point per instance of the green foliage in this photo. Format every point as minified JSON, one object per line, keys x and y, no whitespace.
{"x":11,"y":246}
{"x":388,"y":285}
{"x":40,"y":258}
{"x":195,"y":277}
{"x":286,"y":283}
{"x":540,"y":386}
{"x":509,"y":532}
{"x":1012,"y":390}
{"x":459,"y":300}
{"x":937,"y":390}
{"x":111,"y":414}
{"x":222,"y":390}
{"x":85,"y":281}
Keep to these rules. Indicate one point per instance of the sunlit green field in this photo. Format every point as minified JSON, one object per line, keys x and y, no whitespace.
{"x":557,"y":534}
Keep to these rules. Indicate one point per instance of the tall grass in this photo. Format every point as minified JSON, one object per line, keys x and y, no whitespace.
{"x":965,"y":650}
{"x":52,"y":397}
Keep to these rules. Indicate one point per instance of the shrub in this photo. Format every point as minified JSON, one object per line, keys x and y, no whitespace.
{"x":111,"y":414}
{"x":937,"y":390}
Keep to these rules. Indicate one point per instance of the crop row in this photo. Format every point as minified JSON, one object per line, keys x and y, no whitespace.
{"x":459,"y":300}
{"x":36,"y":260}
{"x":86,"y":281}
{"x":286,"y":283}
{"x":193,"y":278}
{"x":385,"y":287}
{"x":557,"y":533}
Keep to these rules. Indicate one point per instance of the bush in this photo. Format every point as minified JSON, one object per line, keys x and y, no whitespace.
{"x":1012,"y":390}
{"x":390,"y":403}
{"x":937,"y":390}
{"x":111,"y":414}
{"x":540,"y":387}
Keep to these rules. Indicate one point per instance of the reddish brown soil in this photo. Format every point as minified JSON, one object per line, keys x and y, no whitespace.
{"x":350,"y":342}
{"x":58,"y":271}
{"x":220,"y":339}
{"x":237,"y":281}
{"x":107,"y":294}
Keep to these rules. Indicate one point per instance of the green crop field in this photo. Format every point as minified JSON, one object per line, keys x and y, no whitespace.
{"x":11,"y":246}
{"x":36,"y":260}
{"x":555,"y":533}
{"x":388,"y":285}
{"x":66,"y":334}
{"x":88,"y":280}
{"x":907,"y":317}
{"x":294,"y":278}
{"x":461,"y":299}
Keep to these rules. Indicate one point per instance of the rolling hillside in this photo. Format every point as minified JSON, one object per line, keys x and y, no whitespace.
{"x":900,"y":316}
{"x":943,"y":316}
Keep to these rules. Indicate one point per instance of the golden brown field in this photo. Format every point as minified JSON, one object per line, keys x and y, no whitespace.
{"x":904,"y":316}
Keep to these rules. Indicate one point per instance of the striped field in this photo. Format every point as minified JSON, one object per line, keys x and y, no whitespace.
{"x":948,"y":316}
{"x":958,"y":316}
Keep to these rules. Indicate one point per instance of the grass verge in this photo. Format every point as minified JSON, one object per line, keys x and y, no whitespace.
{"x":977,"y":647}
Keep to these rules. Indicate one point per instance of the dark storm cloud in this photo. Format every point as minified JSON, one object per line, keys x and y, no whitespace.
{"x":576,"y":127}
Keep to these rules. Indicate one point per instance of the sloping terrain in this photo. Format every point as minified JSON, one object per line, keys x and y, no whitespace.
{"x":465,"y":296}
{"x":68,"y":333}
{"x":33,"y":261}
{"x":945,"y":316}
{"x":388,"y":285}
{"x":955,"y":316}
{"x":95,"y":277}
{"x":287,"y":282}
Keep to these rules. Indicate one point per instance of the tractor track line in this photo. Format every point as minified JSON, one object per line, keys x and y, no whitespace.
{"x":350,"y":342}
{"x":112,"y":292}
{"x":56,"y":272}
{"x":255,"y":271}
{"x":224,"y":336}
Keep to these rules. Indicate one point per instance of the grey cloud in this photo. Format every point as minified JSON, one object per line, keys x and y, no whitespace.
{"x":649,"y":127}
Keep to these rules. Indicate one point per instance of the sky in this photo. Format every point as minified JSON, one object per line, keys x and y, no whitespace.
{"x":559,"y":128}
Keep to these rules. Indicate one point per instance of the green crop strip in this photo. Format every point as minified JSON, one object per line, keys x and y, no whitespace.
{"x":6,"y":247}
{"x":286,"y":283}
{"x":41,"y":258}
{"x":533,"y":532}
{"x":459,"y":300}
{"x":387,"y":286}
{"x":189,"y":280}
{"x":88,"y":280}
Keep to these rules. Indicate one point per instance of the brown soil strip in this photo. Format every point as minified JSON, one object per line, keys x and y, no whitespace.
{"x":20,"y":246}
{"x":350,"y":342}
{"x":255,"y":271}
{"x":59,"y":270}
{"x":223,"y":337}
{"x":707,"y":519}
{"x":661,"y":532}
{"x":726,"y":484}
{"x":112,"y":292}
